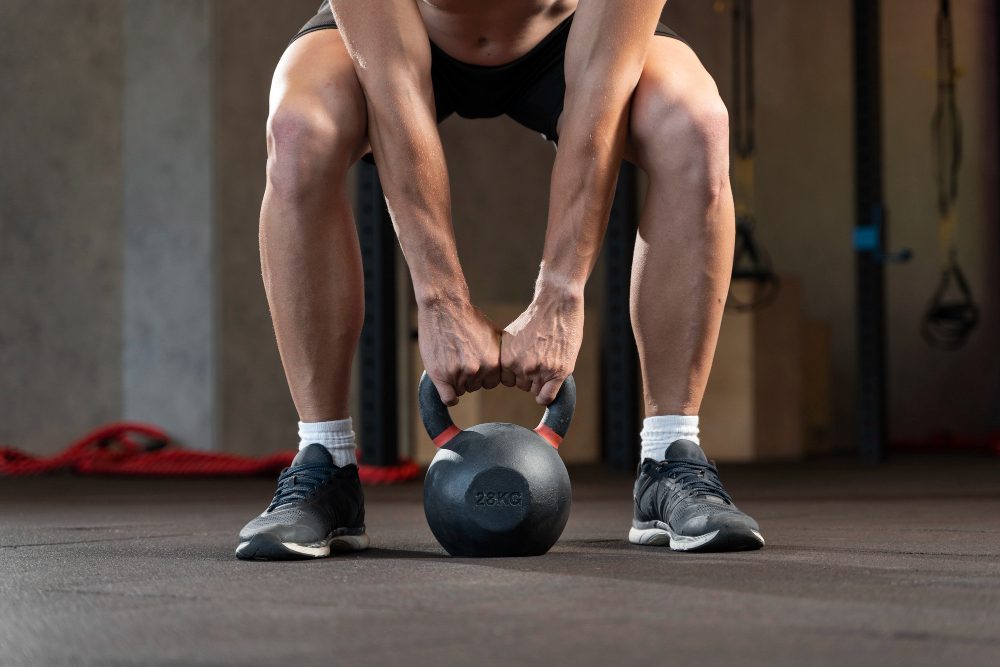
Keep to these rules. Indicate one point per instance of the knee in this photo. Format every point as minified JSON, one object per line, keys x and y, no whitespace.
{"x":684,"y":138}
{"x":308,"y":147}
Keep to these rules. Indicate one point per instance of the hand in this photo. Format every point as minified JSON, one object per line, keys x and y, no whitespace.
{"x":460,"y":348}
{"x":539,"y":348}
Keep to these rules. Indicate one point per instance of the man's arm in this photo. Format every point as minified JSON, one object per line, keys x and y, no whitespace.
{"x":391,"y":52}
{"x":605,"y":55}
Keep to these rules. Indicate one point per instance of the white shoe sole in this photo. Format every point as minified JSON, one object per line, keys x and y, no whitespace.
{"x":661,"y":536}
{"x":266,"y":547}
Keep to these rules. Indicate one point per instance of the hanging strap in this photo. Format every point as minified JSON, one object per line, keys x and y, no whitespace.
{"x":751,"y":261}
{"x":952,"y":313}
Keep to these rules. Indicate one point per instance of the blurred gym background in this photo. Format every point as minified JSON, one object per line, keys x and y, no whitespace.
{"x":132,"y":144}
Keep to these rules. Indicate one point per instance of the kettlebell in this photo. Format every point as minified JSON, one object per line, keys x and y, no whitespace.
{"x":496,"y":489}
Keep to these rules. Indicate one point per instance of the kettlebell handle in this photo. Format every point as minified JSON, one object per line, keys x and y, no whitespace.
{"x":441,"y":428}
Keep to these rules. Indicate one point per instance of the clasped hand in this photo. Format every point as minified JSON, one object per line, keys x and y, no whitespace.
{"x":463,"y":351}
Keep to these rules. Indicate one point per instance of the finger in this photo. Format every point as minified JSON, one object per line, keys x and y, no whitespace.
{"x":523,"y":383}
{"x":549,"y":391}
{"x":447,"y":393}
{"x":466,"y":380}
{"x":491,"y":379}
{"x":536,"y":386}
{"x":486,"y":371}
{"x":507,"y":377}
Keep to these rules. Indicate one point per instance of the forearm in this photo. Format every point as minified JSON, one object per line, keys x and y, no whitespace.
{"x":411,"y":165}
{"x":604,"y":59}
{"x":583,"y":181}
{"x":391,"y":52}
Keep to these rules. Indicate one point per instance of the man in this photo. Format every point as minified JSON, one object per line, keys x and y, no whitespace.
{"x":607,"y":82}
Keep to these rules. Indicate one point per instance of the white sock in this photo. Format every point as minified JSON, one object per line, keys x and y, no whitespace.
{"x":337,"y":436}
{"x":658,"y":433}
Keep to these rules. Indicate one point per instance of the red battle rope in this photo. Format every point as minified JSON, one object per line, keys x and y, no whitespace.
{"x":140,"y":450}
{"x":951,"y":443}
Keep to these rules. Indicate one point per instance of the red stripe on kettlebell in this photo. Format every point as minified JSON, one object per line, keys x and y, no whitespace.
{"x":444,"y":436}
{"x":550,"y":436}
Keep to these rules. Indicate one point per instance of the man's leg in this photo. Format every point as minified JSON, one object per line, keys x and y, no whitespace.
{"x":312,"y":275}
{"x":684,"y":250}
{"x":308,"y":244}
{"x":680,"y":278}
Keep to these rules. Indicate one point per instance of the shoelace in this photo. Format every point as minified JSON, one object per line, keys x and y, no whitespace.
{"x":696,"y":478}
{"x":299,"y":483}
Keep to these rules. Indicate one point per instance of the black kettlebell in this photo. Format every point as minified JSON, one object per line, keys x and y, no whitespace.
{"x":496,"y":489}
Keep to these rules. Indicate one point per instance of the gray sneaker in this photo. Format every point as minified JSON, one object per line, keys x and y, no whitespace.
{"x":680,"y":503}
{"x":317,"y":509}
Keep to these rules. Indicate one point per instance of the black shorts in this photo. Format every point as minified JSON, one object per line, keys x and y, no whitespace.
{"x":530,"y":89}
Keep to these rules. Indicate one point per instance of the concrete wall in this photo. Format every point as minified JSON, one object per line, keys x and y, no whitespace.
{"x":169,"y":357}
{"x":60,"y":219}
{"x":133,"y":146}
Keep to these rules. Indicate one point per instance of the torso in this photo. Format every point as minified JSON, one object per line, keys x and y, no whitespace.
{"x":491,"y":32}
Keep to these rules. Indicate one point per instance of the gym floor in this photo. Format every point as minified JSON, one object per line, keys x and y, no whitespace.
{"x":897,"y":565}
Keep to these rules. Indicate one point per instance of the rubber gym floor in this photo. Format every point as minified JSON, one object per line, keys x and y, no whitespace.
{"x":896,"y":565}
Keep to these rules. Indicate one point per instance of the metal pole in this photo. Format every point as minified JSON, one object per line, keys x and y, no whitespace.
{"x":620,"y":360}
{"x":870,"y":233}
{"x":377,"y":347}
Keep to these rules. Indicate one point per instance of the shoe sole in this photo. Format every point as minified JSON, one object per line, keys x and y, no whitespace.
{"x":717,"y":540}
{"x":269,"y":547}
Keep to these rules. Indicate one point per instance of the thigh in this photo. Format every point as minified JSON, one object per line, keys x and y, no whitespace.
{"x":315,"y":84}
{"x":668,"y":54}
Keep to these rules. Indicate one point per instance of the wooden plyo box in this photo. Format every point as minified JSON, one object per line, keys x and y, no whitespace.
{"x":818,"y":387}
{"x":754,"y":407}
